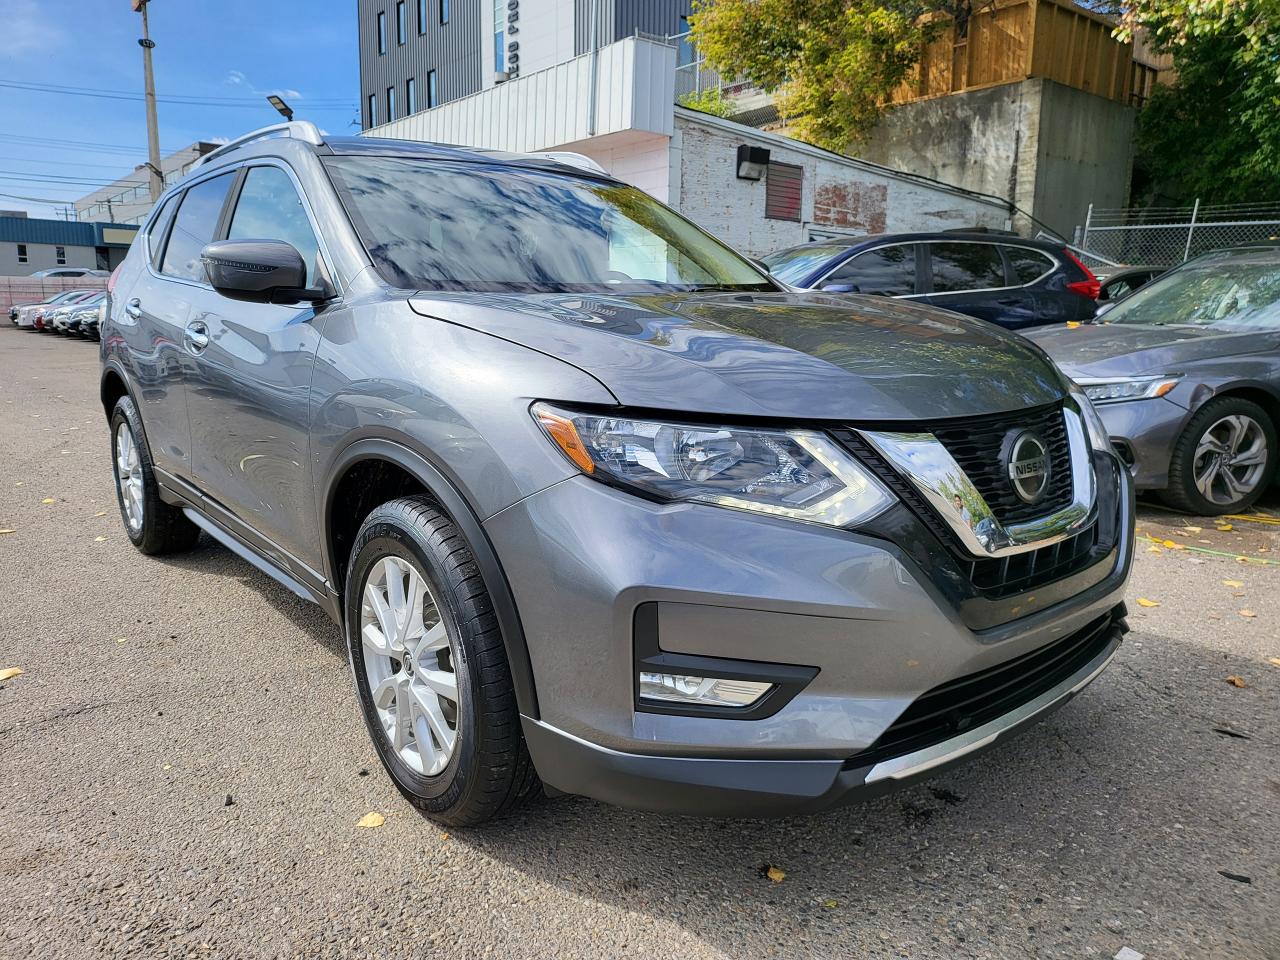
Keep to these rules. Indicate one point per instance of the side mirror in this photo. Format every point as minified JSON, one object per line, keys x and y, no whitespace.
{"x":840,"y":288}
{"x":261,"y":271}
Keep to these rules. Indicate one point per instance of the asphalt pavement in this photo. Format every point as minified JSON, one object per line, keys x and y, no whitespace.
{"x":183,"y":768}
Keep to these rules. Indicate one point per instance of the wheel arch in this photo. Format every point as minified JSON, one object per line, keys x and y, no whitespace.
{"x":1263,"y":394}
{"x":390,"y":455}
{"x":111,"y":387}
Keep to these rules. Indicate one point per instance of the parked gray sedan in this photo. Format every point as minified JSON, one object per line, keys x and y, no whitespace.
{"x":1186,"y":375}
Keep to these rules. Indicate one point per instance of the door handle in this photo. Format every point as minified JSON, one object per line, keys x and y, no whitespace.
{"x":196,"y":336}
{"x":134,"y":308}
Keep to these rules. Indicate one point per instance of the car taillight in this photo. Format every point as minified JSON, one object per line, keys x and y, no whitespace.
{"x":111,"y":280}
{"x":1088,"y":287}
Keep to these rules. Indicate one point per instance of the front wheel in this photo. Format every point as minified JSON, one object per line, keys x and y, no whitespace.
{"x":430,"y":668}
{"x":1224,"y":460}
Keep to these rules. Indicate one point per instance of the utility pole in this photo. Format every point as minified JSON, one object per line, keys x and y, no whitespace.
{"x":149,"y":81}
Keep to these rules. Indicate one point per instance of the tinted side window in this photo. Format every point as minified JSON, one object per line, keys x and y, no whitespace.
{"x":193,"y":227}
{"x":966,"y":266}
{"x":160,"y":223}
{"x":1028,"y":265}
{"x":269,"y":208}
{"x":885,"y":271}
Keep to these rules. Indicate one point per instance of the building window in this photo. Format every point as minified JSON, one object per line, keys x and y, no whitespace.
{"x":373,"y":109}
{"x":422,"y":16}
{"x":432,"y":98}
{"x":499,"y":36}
{"x":400,"y":27}
{"x":410,"y":97}
{"x":382,"y":33}
{"x":22,"y":253}
{"x":60,"y":254}
{"x":784,"y":189}
{"x":391,"y":104}
{"x":444,"y":11}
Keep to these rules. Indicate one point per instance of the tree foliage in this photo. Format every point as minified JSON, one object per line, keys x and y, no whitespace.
{"x":830,"y":64}
{"x":1215,"y":132}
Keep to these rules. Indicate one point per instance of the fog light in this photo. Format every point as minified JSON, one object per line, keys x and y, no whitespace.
{"x":712,"y":691}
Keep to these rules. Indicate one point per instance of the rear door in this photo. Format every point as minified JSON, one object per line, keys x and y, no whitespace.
{"x":250,"y":383}
{"x":154,"y":316}
{"x":969,"y":277}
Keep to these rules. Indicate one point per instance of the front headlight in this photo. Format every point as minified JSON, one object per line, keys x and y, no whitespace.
{"x":1099,"y":438}
{"x":1141,"y":388}
{"x":798,"y":474}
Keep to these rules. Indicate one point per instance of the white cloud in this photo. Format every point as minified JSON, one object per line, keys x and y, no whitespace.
{"x":236,"y":78}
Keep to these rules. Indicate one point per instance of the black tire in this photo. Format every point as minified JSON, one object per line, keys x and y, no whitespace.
{"x":164,"y":528}
{"x":489,"y":772}
{"x":1183,"y":493}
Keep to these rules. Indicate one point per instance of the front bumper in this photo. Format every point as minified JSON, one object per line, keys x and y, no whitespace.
{"x":1144,"y":433}
{"x":767,"y":788}
{"x":880,"y":629}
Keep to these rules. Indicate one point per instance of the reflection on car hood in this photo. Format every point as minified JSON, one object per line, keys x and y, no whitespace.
{"x":796,"y":355}
{"x":1118,"y":350}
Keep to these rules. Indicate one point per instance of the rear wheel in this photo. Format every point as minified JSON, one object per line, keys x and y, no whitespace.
{"x":1224,"y":460}
{"x":154,"y":526}
{"x":430,"y":668}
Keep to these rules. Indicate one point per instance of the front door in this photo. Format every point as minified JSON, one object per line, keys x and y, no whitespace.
{"x":249,"y":392}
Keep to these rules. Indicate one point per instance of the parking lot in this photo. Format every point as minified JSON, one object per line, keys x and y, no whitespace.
{"x":184,"y":766}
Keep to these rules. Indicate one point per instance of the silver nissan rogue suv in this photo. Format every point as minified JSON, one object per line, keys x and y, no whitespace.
{"x":600,"y":507}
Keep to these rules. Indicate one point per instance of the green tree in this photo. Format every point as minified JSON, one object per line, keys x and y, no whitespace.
{"x":830,"y":64}
{"x":1215,"y":132}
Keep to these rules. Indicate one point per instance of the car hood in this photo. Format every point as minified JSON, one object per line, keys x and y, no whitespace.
{"x":795,"y":355}
{"x":1120,"y":350}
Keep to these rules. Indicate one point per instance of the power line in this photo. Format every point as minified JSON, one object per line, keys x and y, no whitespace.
{"x":238,"y":103}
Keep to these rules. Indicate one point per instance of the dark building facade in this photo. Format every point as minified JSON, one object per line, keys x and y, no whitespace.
{"x":416,"y":54}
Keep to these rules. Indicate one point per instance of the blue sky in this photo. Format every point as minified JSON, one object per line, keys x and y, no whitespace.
{"x":223,"y":50}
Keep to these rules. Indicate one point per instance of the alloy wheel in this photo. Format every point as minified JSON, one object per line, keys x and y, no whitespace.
{"x":1230,"y":459}
{"x":409,"y":661}
{"x":129,"y":476}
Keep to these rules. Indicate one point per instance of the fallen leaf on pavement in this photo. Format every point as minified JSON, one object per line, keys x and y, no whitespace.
{"x":1154,"y":549}
{"x":8,"y":673}
{"x":48,"y":500}
{"x":103,"y":539}
{"x":1144,"y":602}
{"x":1191,"y":529}
{"x":121,"y":639}
{"x":7,"y":530}
{"x":371,"y":820}
{"x":101,"y":513}
{"x":1274,"y":661}
{"x":1225,"y":527}
{"x":1247,"y":613}
{"x":774,"y":874}
{"x":830,"y":904}
{"x":1236,"y":681}
{"x":1171,"y":545}
{"x":1235,"y":584}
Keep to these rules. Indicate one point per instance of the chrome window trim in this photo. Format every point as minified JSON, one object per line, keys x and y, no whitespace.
{"x":948,"y":293}
{"x":924,"y":461}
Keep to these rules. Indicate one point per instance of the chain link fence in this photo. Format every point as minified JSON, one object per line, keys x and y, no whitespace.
{"x":1165,"y":236}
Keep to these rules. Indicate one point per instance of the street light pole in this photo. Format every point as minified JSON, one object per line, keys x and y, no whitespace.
{"x":149,"y":81}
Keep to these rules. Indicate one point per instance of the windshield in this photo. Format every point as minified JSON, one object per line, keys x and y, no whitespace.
{"x":1233,"y":292}
{"x":793,"y":265}
{"x":435,"y":225}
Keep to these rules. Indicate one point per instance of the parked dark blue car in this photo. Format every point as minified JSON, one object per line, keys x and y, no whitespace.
{"x":1002,"y":278}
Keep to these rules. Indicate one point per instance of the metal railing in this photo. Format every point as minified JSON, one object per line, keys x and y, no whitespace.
{"x":1168,"y":235}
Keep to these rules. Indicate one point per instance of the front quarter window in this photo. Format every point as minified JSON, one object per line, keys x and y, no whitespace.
{"x":436,"y":225}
